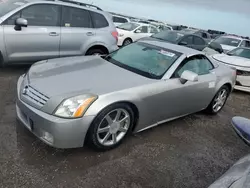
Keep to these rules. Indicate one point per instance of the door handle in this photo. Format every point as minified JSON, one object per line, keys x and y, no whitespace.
{"x":89,"y":33}
{"x":53,"y":34}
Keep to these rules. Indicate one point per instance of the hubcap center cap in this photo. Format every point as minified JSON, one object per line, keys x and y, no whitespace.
{"x":114,"y":127}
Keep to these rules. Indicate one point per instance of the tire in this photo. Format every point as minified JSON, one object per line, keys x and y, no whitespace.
{"x":104,"y":140}
{"x":211,"y":109}
{"x":95,"y":51}
{"x":127,"y":42}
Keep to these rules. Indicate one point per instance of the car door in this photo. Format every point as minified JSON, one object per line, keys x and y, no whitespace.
{"x":40,"y":40}
{"x":76,"y":31}
{"x":143,"y":32}
{"x":180,"y":99}
{"x":198,"y":43}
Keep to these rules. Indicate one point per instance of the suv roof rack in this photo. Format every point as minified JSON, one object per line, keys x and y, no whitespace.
{"x":79,"y":3}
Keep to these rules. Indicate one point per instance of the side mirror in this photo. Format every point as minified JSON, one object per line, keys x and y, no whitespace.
{"x":188,"y":76}
{"x":137,"y":31}
{"x":183,"y":43}
{"x":21,"y":22}
{"x":229,"y":53}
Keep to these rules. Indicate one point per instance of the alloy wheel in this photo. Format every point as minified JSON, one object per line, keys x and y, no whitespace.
{"x":113,"y":127}
{"x":220,"y":100}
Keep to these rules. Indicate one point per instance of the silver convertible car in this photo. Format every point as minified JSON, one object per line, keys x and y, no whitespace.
{"x":99,"y":100}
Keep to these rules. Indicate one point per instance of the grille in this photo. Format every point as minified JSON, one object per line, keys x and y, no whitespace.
{"x":34,"y":95}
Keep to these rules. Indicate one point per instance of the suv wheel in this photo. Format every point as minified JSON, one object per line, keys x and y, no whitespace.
{"x":95,"y":52}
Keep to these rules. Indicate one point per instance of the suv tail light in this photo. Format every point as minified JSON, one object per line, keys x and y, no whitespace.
{"x":115,"y":35}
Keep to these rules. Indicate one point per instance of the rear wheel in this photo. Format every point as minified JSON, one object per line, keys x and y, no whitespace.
{"x":126,"y":42}
{"x":95,"y":52}
{"x":111,"y":126}
{"x":218,"y":101}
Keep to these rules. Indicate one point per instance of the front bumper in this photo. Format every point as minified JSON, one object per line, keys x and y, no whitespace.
{"x":242,"y":83}
{"x":54,"y":131}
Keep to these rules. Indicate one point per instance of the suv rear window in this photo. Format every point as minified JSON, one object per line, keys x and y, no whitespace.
{"x":99,"y":21}
{"x":75,"y":17}
{"x":119,"y":19}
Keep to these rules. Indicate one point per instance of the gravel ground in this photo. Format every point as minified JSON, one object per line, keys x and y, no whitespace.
{"x":190,"y":152}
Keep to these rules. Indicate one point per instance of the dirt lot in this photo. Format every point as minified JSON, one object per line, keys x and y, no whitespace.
{"x":189,"y":152}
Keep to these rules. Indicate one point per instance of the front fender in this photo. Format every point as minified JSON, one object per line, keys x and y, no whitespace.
{"x":119,"y":97}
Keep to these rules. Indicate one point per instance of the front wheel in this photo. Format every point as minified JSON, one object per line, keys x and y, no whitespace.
{"x":111,"y":126}
{"x":218,"y":101}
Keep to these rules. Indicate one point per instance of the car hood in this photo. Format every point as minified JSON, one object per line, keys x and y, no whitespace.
{"x":87,"y":74}
{"x":232,"y":60}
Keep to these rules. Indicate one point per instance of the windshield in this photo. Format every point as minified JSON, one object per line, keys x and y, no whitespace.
{"x":128,"y":26}
{"x":170,"y":36}
{"x":240,"y":52}
{"x":9,"y":5}
{"x":228,"y":41}
{"x":144,"y":59}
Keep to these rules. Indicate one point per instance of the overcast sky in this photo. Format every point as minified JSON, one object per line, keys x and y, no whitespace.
{"x":228,"y":15}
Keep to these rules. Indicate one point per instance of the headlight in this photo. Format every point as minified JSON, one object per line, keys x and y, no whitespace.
{"x":75,"y":107}
{"x":120,"y":35}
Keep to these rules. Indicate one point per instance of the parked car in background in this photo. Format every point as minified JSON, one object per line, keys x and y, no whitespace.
{"x":180,"y":38}
{"x":177,"y":27}
{"x":229,"y":43}
{"x":205,"y":35}
{"x":37,"y":30}
{"x":118,"y":20}
{"x":214,"y":33}
{"x":238,"y":58}
{"x":161,"y":26}
{"x":134,"y":88}
{"x":132,"y":31}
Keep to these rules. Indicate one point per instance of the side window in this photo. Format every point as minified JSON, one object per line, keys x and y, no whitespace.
{"x":11,"y":20}
{"x":75,"y":17}
{"x":99,"y":21}
{"x":247,"y":43}
{"x":143,"y":29}
{"x":153,"y":30}
{"x":188,"y":40}
{"x":42,"y":15}
{"x":204,"y":35}
{"x":243,"y":43}
{"x":197,"y":64}
{"x":198,"y":41}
